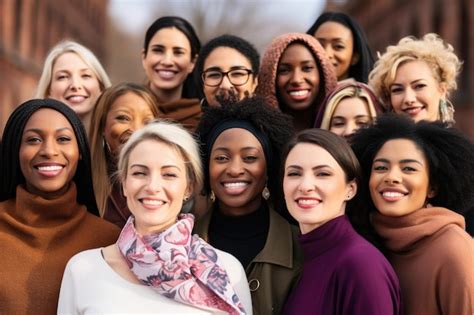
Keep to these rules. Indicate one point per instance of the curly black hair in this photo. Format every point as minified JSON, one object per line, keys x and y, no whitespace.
{"x":241,"y":45}
{"x":449,"y":154}
{"x":277,"y":126}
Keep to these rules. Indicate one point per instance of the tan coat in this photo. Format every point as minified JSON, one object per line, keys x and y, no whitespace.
{"x":273,"y":273}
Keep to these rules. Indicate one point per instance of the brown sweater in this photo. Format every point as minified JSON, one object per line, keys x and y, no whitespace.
{"x":433,"y":257}
{"x":187,"y":112}
{"x":37,"y":238}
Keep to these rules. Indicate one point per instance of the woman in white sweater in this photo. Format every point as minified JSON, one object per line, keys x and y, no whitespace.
{"x":156,"y":265}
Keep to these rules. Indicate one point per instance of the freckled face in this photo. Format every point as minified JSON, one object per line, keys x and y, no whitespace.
{"x":128,"y":113}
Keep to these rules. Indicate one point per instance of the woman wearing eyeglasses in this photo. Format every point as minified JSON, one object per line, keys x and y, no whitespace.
{"x":227,"y":69}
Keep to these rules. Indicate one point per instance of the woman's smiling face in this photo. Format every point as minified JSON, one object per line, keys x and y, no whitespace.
{"x":399,"y":180}
{"x":237,"y":171}
{"x":297,"y":79}
{"x":49,"y":153}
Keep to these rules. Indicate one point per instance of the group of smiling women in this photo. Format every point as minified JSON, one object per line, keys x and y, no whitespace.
{"x":226,"y":186}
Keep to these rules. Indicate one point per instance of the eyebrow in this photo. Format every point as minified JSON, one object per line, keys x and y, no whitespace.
{"x":242,"y":149}
{"x":404,"y":161}
{"x":174,"y":47}
{"x":216,"y":68}
{"x":162,"y":167}
{"x":313,"y":168}
{"x":37,"y":130}
{"x":411,"y":82}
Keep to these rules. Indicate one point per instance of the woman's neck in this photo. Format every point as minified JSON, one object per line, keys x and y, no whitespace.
{"x":248,"y":208}
{"x":167,"y":96}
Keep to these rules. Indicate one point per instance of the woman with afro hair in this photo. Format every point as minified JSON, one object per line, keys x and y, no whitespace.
{"x":241,"y":144}
{"x":418,"y":182}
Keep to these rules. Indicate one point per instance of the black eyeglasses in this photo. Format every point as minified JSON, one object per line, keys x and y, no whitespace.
{"x":236,"y":77}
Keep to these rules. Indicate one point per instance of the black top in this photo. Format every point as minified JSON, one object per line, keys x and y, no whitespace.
{"x":241,"y":236}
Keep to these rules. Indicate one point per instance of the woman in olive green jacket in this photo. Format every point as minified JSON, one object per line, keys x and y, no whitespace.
{"x":241,"y":145}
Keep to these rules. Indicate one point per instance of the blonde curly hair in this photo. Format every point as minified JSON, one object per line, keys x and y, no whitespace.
{"x":431,"y":49}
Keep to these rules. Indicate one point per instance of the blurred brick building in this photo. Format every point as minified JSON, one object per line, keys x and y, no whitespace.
{"x":29,"y":29}
{"x":387,"y":21}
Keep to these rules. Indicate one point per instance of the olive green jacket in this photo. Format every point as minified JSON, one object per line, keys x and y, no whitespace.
{"x":273,"y":273}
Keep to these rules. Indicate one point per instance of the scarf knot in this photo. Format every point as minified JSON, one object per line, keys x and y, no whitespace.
{"x":179,"y":265}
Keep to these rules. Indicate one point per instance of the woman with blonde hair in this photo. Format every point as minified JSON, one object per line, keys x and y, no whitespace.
{"x":73,"y":75}
{"x":157,"y":265}
{"x":120,"y":111}
{"x":350,"y":106}
{"x":416,"y":76}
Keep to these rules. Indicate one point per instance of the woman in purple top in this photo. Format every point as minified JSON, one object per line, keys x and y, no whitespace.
{"x":342,"y":272}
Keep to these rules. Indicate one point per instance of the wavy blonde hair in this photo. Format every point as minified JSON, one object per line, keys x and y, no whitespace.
{"x":69,"y":46}
{"x":100,"y":164}
{"x":431,"y":49}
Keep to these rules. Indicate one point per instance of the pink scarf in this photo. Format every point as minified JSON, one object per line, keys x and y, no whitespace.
{"x":179,"y":266}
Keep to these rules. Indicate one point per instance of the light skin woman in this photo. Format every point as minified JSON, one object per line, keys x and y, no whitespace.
{"x":416,"y":77}
{"x":345,"y":44}
{"x":418,"y":183}
{"x":73,"y":75}
{"x":351,"y":106}
{"x":316,"y":192}
{"x":160,"y":264}
{"x":120,"y":111}
{"x":168,"y":57}
{"x":228,"y":69}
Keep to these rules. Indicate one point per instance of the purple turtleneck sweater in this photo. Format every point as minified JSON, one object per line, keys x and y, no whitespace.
{"x":343,"y":274}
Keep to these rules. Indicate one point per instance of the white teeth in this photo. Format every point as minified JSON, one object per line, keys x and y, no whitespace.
{"x":166,"y":74}
{"x":307,"y":201}
{"x":235,"y":185}
{"x":392,"y":194}
{"x":50,"y":168}
{"x":76,"y":99}
{"x":152,"y":202}
{"x":299,"y":93}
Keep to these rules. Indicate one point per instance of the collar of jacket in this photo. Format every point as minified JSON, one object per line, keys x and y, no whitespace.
{"x":278,"y":247}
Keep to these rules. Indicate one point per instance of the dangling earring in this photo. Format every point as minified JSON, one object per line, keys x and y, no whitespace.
{"x":266,"y":193}
{"x":212,"y":196}
{"x":446,"y":110}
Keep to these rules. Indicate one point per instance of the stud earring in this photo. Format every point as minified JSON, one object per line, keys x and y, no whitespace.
{"x":266,"y":193}
{"x":186,"y":198}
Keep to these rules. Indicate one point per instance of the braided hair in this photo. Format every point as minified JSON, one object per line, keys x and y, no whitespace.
{"x":10,"y":171}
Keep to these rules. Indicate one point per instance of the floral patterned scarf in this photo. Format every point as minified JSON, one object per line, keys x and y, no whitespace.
{"x":179,"y":266}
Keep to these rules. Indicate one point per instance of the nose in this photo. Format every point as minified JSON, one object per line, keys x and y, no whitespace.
{"x":306,"y":184}
{"x":349,"y":130}
{"x":392,"y":176}
{"x":329,"y":51}
{"x":225,"y":84}
{"x":410,"y":96}
{"x":167,"y":58}
{"x":154,"y":183}
{"x":236,"y":167}
{"x":297,"y":77}
{"x":49,"y":148}
{"x":76,"y":82}
{"x":136,"y":125}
